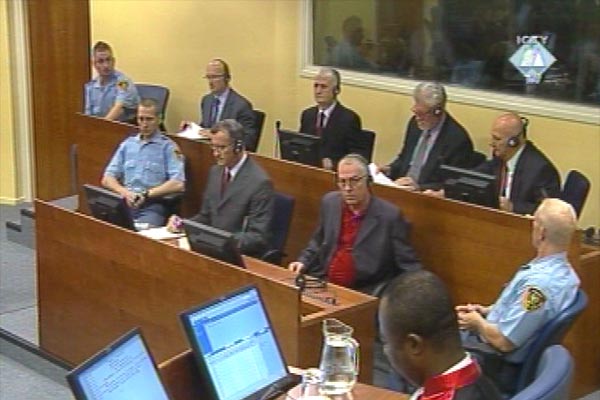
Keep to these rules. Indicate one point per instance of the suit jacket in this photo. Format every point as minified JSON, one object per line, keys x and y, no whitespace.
{"x":481,"y":389}
{"x":453,"y":146}
{"x":381,"y":249}
{"x":535,"y":178}
{"x":236,"y":107}
{"x":246,"y":208}
{"x":340,"y":136}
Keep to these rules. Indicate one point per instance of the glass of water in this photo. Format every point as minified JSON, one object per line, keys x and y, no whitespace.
{"x":310,"y":389}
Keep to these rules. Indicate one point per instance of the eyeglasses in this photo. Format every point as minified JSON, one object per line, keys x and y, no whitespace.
{"x":213,"y":77}
{"x":220,"y":148}
{"x":350,"y":182}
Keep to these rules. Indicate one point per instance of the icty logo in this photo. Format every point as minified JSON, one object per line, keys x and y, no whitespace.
{"x":532,"y":59}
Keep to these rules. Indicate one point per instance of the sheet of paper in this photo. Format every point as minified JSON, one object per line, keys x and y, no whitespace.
{"x":160,"y":233}
{"x":379,"y":177}
{"x":193,"y":131}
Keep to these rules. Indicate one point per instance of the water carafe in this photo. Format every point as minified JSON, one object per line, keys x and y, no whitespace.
{"x":339,"y":359}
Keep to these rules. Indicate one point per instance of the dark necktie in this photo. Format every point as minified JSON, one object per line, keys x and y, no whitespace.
{"x":320,"y":123}
{"x":214,"y":111}
{"x":225,"y":179}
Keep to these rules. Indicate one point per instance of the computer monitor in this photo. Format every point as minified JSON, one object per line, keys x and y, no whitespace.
{"x":123,"y":370}
{"x":213,"y":242}
{"x":236,"y":348}
{"x":108,"y":206}
{"x":470,"y":186}
{"x":300,"y":147}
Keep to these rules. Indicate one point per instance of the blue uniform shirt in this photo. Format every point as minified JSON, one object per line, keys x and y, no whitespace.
{"x":537,"y":293}
{"x":99,"y":99}
{"x":140,"y":165}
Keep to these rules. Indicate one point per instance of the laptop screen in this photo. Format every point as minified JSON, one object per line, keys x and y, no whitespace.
{"x":235,"y":345}
{"x":123,"y":370}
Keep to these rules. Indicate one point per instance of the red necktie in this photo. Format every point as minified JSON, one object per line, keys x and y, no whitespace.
{"x":225,"y":178}
{"x":442,"y":387}
{"x":320,"y":123}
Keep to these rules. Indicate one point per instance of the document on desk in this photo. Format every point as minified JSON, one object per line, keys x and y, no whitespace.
{"x":160,"y":233}
{"x":379,"y":177}
{"x":193,"y":131}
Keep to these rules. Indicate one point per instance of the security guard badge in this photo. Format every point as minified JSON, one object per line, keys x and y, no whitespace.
{"x":123,"y":85}
{"x":533,"y":299}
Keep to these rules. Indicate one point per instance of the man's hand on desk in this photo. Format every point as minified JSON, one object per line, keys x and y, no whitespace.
{"x":384,"y":169}
{"x":296,"y":267}
{"x":174,"y":224}
{"x":406,"y":182}
{"x":435,"y":193}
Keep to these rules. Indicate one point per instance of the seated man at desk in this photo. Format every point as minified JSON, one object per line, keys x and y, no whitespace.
{"x":111,"y":94}
{"x":339,"y":127}
{"x":145,"y":167}
{"x":422,"y":342}
{"x":537,"y":293}
{"x":361,"y":241}
{"x":525,"y":175}
{"x":223,"y":102}
{"x":432,"y":138}
{"x":238,"y":196}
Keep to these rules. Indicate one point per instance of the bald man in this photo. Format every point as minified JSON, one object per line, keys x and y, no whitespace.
{"x":525,"y":175}
{"x":538,"y":292}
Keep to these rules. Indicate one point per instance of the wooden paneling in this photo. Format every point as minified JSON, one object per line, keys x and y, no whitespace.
{"x":59,"y":47}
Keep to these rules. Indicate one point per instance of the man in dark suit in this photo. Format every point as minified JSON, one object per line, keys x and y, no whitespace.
{"x":432,"y":138}
{"x":361,"y":240}
{"x":422,"y":342}
{"x":339,"y":127}
{"x":525,"y":175}
{"x":225,"y":103}
{"x":238,"y":196}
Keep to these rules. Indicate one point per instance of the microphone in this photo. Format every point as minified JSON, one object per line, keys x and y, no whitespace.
{"x":276,"y":141}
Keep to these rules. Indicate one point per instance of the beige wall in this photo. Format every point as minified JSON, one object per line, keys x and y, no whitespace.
{"x":169,"y":42}
{"x":8,"y":182}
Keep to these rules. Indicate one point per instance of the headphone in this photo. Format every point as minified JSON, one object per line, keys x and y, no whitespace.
{"x":515,"y":140}
{"x":338,"y":81}
{"x":437,"y":111}
{"x":362,"y":161}
{"x":226,"y":73}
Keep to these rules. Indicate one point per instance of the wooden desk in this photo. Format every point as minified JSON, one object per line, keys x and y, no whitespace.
{"x":96,"y":281}
{"x":180,"y":377}
{"x":475,"y":250}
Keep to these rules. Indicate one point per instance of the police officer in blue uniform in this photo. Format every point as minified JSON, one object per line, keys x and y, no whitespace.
{"x":537,"y":293}
{"x":146,"y":167}
{"x":111,"y":94}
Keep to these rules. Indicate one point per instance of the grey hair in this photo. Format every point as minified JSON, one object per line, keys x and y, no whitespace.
{"x":431,"y":93}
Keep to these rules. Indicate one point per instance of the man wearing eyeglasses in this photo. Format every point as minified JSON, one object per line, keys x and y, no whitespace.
{"x":238,"y":196}
{"x":361,"y":240}
{"x":225,"y":103}
{"x":145,"y":167}
{"x":432,"y":138}
{"x":111,"y":94}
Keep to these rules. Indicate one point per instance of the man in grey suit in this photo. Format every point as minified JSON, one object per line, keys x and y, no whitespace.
{"x":225,"y":103}
{"x":361,"y":240}
{"x":238,"y":196}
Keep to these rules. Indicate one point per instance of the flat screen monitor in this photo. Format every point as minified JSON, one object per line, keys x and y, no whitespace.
{"x":470,"y":186}
{"x":108,"y":206}
{"x":235,"y":347}
{"x":300,"y":147}
{"x":213,"y":242}
{"x":123,"y":370}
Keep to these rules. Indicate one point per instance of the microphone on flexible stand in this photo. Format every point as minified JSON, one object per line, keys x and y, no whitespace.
{"x":276,"y":141}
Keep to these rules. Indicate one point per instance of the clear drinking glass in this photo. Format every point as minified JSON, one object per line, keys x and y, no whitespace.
{"x":310,"y":389}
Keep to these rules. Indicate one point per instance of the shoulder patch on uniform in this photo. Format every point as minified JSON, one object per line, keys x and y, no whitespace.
{"x":533,"y":299}
{"x":123,"y":84}
{"x":177,"y":151}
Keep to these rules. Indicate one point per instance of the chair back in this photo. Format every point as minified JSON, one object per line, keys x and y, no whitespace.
{"x":367,"y":142}
{"x":259,"y":123}
{"x":552,"y":333}
{"x":283,"y":208}
{"x":160,"y":94}
{"x":575,"y":190}
{"x":553,"y":376}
